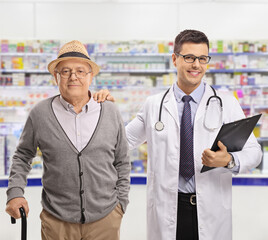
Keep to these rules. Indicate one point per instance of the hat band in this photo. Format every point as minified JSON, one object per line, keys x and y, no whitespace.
{"x":74,"y":54}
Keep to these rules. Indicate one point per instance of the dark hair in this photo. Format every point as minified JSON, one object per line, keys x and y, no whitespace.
{"x":189,"y":36}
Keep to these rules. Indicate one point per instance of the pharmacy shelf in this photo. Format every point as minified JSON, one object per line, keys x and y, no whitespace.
{"x":141,"y":179}
{"x":138,"y":71}
{"x":251,"y":54}
{"x":239,"y":70}
{"x":239,"y":54}
{"x":220,"y":71}
{"x":23,"y":71}
{"x":262,"y":139}
{"x":12,"y":123}
{"x":11,"y":54}
{"x":13,"y":108}
{"x":106,"y":54}
{"x":220,"y":54}
{"x":240,"y":86}
{"x":251,"y":70}
{"x":12,"y":87}
{"x":256,"y":107}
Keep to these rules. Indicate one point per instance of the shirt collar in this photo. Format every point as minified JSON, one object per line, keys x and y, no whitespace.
{"x":197,"y":94}
{"x":70,"y":107}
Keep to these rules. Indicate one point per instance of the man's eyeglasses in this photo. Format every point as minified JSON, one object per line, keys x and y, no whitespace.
{"x":189,"y":58}
{"x":67,"y":73}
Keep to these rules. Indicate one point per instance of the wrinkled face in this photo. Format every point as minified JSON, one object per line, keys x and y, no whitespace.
{"x":73,"y":78}
{"x":190,"y":74}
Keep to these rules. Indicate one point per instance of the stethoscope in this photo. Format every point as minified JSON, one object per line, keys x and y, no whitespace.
{"x":159,"y":125}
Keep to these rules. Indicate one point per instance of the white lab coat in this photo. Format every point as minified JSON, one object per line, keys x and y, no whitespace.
{"x":213,"y":188}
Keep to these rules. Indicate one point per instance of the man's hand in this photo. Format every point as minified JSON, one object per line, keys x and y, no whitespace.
{"x":216,"y":159}
{"x":13,"y":206}
{"x":103,"y":95}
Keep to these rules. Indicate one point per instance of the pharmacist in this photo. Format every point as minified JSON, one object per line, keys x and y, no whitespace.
{"x":85,"y":178}
{"x":182,"y":203}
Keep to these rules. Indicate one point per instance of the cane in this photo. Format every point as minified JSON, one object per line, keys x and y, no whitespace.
{"x":23,"y":223}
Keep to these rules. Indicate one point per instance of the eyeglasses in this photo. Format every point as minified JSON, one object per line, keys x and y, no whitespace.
{"x":67,"y":73}
{"x":189,"y":58}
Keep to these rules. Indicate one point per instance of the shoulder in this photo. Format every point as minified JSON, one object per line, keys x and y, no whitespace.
{"x":110,"y":108}
{"x":42,"y":106}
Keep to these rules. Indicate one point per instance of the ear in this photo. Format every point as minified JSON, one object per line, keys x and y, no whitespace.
{"x":174,"y":58}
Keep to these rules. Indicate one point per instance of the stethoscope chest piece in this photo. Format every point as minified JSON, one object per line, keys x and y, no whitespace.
{"x":159,"y":126}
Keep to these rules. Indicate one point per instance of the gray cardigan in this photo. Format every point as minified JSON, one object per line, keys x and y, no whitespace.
{"x":77,"y":186}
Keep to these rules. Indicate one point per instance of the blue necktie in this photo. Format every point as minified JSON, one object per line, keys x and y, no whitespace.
{"x":186,"y":148}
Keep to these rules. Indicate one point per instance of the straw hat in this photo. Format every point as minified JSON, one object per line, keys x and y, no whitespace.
{"x":73,"y":50}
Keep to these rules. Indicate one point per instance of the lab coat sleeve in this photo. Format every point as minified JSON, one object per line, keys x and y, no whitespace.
{"x":251,"y":155}
{"x":136,"y":129}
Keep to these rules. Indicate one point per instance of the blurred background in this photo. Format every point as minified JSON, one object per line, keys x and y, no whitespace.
{"x":132,"y":41}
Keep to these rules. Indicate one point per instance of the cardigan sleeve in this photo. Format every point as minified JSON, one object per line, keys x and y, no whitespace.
{"x":21,"y":162}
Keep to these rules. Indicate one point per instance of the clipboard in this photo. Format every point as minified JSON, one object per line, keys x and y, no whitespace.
{"x":234,"y":135}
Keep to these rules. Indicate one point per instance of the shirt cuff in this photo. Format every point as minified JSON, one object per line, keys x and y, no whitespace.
{"x":236,"y":168}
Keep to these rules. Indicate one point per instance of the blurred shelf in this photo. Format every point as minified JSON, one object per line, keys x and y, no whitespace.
{"x":240,"y":86}
{"x":13,"y":108}
{"x":239,"y":54}
{"x":239,"y":70}
{"x":249,"y":70}
{"x":221,"y":54}
{"x":251,"y":54}
{"x":23,"y":71}
{"x":44,"y":87}
{"x":141,"y":179}
{"x":220,"y":71}
{"x":26,"y":54}
{"x":262,"y":139}
{"x":12,"y":123}
{"x":106,"y":54}
{"x":138,"y":71}
{"x":254,"y":106}
{"x":125,"y":87}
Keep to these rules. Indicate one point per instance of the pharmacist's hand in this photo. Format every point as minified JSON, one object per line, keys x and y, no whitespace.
{"x":103,"y":95}
{"x":13,"y":206}
{"x":216,"y":159}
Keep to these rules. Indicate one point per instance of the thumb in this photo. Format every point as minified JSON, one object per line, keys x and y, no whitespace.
{"x":222,"y":146}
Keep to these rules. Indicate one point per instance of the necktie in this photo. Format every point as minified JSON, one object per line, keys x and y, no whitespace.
{"x":186,"y":148}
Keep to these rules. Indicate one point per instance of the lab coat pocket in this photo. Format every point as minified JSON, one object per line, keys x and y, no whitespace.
{"x":226,"y":189}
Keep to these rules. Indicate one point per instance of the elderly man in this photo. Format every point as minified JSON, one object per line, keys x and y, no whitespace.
{"x":85,"y":179}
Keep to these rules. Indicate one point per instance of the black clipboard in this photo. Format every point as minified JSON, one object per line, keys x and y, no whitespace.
{"x":234,"y":135}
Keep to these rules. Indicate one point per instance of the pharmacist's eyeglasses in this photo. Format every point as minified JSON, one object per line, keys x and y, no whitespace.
{"x":189,"y":58}
{"x":67,"y":73}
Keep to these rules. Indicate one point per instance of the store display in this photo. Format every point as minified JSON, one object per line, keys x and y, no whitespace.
{"x":132,"y":71}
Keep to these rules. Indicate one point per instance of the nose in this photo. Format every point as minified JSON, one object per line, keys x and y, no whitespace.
{"x":73,"y":75}
{"x":196,"y":63}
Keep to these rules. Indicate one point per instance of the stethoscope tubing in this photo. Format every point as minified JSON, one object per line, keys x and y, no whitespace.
{"x":159,"y":125}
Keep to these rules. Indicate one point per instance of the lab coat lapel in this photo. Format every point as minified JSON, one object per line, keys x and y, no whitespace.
{"x":170,"y":105}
